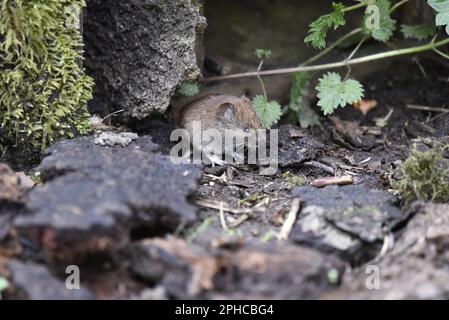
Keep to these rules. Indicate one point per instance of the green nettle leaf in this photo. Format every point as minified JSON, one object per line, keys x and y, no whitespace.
{"x":299,"y":103}
{"x":334,"y":93}
{"x":318,"y":29}
{"x":188,"y":89}
{"x":384,"y":31}
{"x":269,"y":112}
{"x":442,"y":7}
{"x":418,"y":32}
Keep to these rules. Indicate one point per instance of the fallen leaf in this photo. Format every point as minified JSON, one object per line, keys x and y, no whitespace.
{"x":365,"y":106}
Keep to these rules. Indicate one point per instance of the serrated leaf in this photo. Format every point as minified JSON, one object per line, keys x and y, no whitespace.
{"x":384,"y":31}
{"x":334,"y":93}
{"x":318,"y":29}
{"x":269,"y":112}
{"x":263,"y":54}
{"x":442,"y":7}
{"x":418,"y":32}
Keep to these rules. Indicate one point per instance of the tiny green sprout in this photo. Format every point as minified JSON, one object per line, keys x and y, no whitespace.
{"x":4,"y":284}
{"x":263,"y":54}
{"x":267,"y":236}
{"x":333,"y":276}
{"x":195,"y":232}
{"x":383,"y":122}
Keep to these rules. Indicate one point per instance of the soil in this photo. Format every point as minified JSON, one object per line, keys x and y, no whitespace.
{"x":339,"y":229}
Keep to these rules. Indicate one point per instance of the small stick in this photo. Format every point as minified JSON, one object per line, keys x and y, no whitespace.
{"x":290,"y":221}
{"x":425,"y":108}
{"x":112,"y":114}
{"x":321,"y":166}
{"x":216,"y":205}
{"x":364,"y":161}
{"x":222,"y":217}
{"x":241,"y":220}
{"x":246,"y":216}
{"x":343,"y":180}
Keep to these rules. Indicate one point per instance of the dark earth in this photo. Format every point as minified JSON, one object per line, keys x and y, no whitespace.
{"x":140,"y":227}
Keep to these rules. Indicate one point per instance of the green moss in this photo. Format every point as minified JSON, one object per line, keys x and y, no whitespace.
{"x":424,"y":176}
{"x":250,"y":200}
{"x":43,"y":88}
{"x":295,"y":180}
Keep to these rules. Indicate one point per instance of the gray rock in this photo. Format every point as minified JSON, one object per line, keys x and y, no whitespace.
{"x":416,"y":267}
{"x":188,"y":271}
{"x":94,"y":196}
{"x":348,"y":219}
{"x":295,"y":150}
{"x":139,"y":51}
{"x":109,"y":138}
{"x":13,"y":191}
{"x":35,"y":282}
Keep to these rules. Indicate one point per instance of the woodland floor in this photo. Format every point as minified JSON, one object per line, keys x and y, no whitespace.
{"x":154,"y":230}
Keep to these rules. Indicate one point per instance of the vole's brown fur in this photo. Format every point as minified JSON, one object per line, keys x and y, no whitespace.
{"x":220,"y":112}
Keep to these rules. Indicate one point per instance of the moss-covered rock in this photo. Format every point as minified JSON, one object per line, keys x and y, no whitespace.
{"x":43,"y":87}
{"x":424,"y":176}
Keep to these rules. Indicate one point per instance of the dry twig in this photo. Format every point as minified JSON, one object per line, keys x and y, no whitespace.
{"x":290,"y":221}
{"x":343,"y":180}
{"x":321,"y":166}
{"x":222,"y":217}
{"x":425,"y":108}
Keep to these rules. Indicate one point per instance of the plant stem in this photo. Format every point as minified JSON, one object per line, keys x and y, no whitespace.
{"x":261,"y":81}
{"x":332,"y":46}
{"x":357,"y":6}
{"x":369,"y":58}
{"x":441,"y":53}
{"x":352,"y":55}
{"x":397,"y":5}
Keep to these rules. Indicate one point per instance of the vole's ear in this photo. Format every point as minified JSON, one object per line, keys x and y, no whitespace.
{"x":245,"y":98}
{"x":226,"y":111}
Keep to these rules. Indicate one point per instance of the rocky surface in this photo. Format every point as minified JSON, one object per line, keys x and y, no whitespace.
{"x":416,"y":267}
{"x":189,"y":271}
{"x":139,"y":51}
{"x":13,"y":192}
{"x":35,"y":282}
{"x":94,"y":197}
{"x":352,"y":220}
{"x":295,"y":147}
